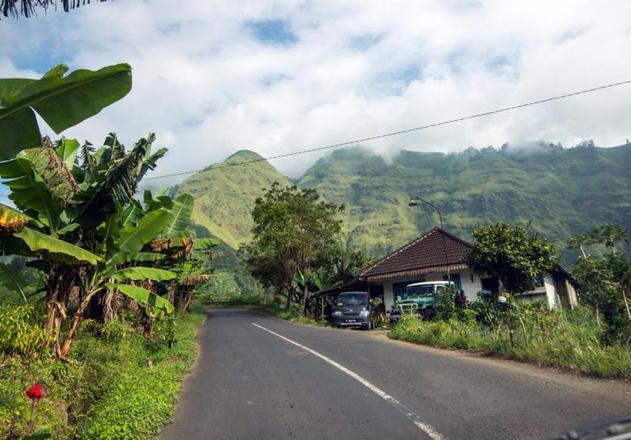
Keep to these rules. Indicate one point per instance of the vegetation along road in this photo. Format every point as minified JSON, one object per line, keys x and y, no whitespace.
{"x":260,"y":377}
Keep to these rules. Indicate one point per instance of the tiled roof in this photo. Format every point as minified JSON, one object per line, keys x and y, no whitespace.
{"x":436,"y":248}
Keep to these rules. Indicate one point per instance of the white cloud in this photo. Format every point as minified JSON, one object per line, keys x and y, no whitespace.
{"x":208,"y":87}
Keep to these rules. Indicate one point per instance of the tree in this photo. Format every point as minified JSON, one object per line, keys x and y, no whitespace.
{"x":605,"y":281}
{"x":345,"y":264}
{"x":294,"y":234}
{"x":516,"y":255}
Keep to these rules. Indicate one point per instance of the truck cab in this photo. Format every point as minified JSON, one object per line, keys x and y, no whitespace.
{"x":419,"y":299}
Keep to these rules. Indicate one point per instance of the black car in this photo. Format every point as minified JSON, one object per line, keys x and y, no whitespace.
{"x":353,"y":309}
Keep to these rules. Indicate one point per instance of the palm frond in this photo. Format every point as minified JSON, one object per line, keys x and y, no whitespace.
{"x":28,"y":8}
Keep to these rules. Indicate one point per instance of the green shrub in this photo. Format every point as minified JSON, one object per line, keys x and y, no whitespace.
{"x":446,"y":304}
{"x":525,"y":332}
{"x":21,"y":330}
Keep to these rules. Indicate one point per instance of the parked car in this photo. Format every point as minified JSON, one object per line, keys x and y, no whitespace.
{"x":353,"y":309}
{"x":420,"y":299}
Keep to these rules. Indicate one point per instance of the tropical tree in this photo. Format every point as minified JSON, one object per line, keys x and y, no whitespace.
{"x":605,"y":278}
{"x":294,"y":235}
{"x":516,"y":255}
{"x":344,"y":264}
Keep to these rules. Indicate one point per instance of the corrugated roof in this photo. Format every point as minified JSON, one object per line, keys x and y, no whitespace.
{"x":432,"y":249}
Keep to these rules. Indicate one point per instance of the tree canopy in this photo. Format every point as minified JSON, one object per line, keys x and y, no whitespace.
{"x":516,"y":255}
{"x":294,"y":232}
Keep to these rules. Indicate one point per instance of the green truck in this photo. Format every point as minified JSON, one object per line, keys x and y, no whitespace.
{"x":419,"y":299}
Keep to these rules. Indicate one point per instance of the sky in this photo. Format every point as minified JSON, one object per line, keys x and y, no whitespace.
{"x":214,"y":77}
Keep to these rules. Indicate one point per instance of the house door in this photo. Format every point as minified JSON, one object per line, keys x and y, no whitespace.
{"x":491,"y":284}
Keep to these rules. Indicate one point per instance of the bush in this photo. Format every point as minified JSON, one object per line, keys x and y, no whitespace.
{"x":525,"y":332}
{"x":108,"y":390}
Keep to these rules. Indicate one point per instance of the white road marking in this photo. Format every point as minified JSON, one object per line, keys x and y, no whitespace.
{"x":427,"y":429}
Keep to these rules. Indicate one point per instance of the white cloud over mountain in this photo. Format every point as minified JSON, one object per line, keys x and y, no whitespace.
{"x":213,"y":77}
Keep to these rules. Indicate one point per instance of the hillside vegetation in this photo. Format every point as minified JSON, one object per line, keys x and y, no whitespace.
{"x":562,"y":191}
{"x":224,"y":197}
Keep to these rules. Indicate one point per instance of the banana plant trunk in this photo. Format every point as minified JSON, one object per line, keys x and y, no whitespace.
{"x":171,"y":293}
{"x":305,"y":295}
{"x":64,"y":351}
{"x":61,"y":278}
{"x":110,"y":303}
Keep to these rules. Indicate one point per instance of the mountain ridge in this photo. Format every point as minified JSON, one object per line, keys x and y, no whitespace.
{"x":563,"y":191}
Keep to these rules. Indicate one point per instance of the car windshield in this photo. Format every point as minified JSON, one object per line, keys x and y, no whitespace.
{"x":352,"y":299}
{"x":416,"y":291}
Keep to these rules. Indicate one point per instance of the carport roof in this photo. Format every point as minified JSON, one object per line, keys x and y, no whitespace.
{"x":436,"y":250}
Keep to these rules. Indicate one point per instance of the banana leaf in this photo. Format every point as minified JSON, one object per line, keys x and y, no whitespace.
{"x":61,"y":101}
{"x":142,"y":296}
{"x":12,"y":280}
{"x":140,"y":273}
{"x":37,"y":241}
{"x":11,"y":220}
{"x":132,"y":240}
{"x":182,"y":209}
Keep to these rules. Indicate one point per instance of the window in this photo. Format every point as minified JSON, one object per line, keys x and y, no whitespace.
{"x":455,"y":278}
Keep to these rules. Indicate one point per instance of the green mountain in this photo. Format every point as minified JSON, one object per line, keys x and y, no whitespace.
{"x":224,"y":196}
{"x":562,"y":191}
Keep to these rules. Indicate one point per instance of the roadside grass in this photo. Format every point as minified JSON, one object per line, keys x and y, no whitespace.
{"x":108,"y":390}
{"x":566,"y":340}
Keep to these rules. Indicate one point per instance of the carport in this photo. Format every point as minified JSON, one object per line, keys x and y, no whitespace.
{"x":326,"y":297}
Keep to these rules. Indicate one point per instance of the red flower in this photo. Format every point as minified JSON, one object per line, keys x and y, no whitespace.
{"x":35,"y":392}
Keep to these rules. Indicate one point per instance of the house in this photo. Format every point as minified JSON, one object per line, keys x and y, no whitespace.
{"x":438,"y":255}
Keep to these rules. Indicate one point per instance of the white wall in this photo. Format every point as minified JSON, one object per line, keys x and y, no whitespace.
{"x":470,"y":287}
{"x":551,"y":294}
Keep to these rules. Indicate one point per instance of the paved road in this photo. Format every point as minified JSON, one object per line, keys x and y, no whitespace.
{"x":254,"y":382}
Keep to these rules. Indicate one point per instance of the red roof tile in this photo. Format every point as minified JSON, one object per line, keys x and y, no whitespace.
{"x":426,"y":251}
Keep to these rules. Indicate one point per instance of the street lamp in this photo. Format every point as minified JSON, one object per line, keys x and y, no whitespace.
{"x":416,"y":201}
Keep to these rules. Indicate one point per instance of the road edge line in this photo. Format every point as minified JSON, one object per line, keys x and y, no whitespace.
{"x":407,"y":412}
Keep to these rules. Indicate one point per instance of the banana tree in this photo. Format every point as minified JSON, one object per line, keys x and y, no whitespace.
{"x":105,"y":271}
{"x":69,"y":191}
{"x":185,"y":255}
{"x":123,"y":246}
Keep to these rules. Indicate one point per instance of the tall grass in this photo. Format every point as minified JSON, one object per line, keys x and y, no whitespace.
{"x":563,"y":339}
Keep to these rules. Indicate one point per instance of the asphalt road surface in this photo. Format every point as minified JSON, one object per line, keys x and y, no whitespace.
{"x":259,"y":377}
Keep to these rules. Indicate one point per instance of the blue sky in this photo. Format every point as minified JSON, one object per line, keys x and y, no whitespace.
{"x":277,"y":76}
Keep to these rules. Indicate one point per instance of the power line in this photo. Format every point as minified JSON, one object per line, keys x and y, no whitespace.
{"x":398,"y":132}
{"x":394,"y":133}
